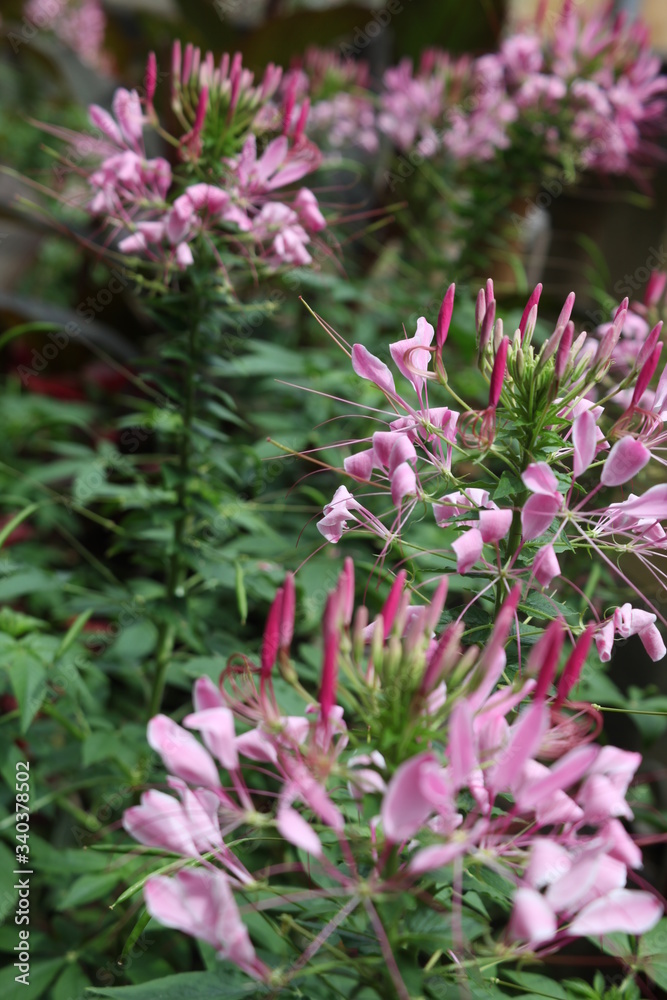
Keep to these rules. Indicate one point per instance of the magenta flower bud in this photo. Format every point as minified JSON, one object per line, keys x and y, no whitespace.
{"x":346,"y":591}
{"x":573,"y":667}
{"x":443,"y":657}
{"x":490,"y":294}
{"x":187,"y":64}
{"x":487,"y":326}
{"x":271,"y":640}
{"x":288,"y":106}
{"x":551,"y":345}
{"x":648,"y":345}
{"x":445,"y":317}
{"x":224,"y":67}
{"x":175,"y":67}
{"x":566,"y":311}
{"x":200,"y":116}
{"x":392,"y":604}
{"x":607,"y":345}
{"x":532,"y":301}
{"x":437,"y":604}
{"x":497,"y":334}
{"x":646,"y":374}
{"x":622,"y":308}
{"x":655,"y":288}
{"x":544,"y":656}
{"x":287,"y":610}
{"x":498,"y":374}
{"x":480,"y":309}
{"x":530,"y":325}
{"x":150,"y":80}
{"x":300,"y":126}
{"x":329,"y":681}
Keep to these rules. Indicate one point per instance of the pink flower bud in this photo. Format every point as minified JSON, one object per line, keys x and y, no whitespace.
{"x":498,"y":373}
{"x":532,"y":301}
{"x":655,"y":288}
{"x":480,"y":309}
{"x":150,"y":80}
{"x":648,"y":345}
{"x":563,"y":356}
{"x":573,"y":667}
{"x":445,"y":317}
{"x":646,"y":374}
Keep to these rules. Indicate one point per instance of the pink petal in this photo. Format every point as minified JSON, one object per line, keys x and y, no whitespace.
{"x":652,"y":503}
{"x":653,"y":643}
{"x":494,"y":524}
{"x":404,"y":807}
{"x":532,"y":918}
{"x":545,"y":565}
{"x":416,"y":358}
{"x":293,"y":827}
{"x":622,"y":910}
{"x":217,"y":728}
{"x":367,"y":366}
{"x":537,"y":514}
{"x":182,"y":754}
{"x":436,"y":856}
{"x":461,"y":749}
{"x":584,"y":439}
{"x":403,"y":483}
{"x":206,"y":694}
{"x":468,"y":549}
{"x":525,"y":736}
{"x":625,"y":460}
{"x":539,"y":478}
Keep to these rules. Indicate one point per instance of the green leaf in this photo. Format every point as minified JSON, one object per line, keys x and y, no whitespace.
{"x":87,"y":888}
{"x":15,"y":521}
{"x":184,"y":986}
{"x":508,"y":486}
{"x":653,"y":954}
{"x":73,"y":632}
{"x":540,"y":985}
{"x":16,"y":624}
{"x":40,"y":978}
{"x":28,"y":680}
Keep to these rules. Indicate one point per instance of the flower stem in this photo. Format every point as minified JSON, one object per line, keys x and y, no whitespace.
{"x":167,"y":628}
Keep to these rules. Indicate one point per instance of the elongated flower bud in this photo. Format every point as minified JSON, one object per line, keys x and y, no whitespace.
{"x":286,"y":625}
{"x":655,"y":288}
{"x":550,"y":346}
{"x":445,"y":317}
{"x":648,"y":345}
{"x":443,"y":657}
{"x":487,"y":326}
{"x":530,"y":326}
{"x":563,"y":356}
{"x":300,"y":126}
{"x":150,"y":80}
{"x":543,"y":658}
{"x":646,"y":374}
{"x":498,"y":373}
{"x":566,"y":311}
{"x":573,"y":667}
{"x":329,"y":682}
{"x":532,"y":302}
{"x":489,"y":292}
{"x":480,"y":309}
{"x":497,"y":334}
{"x":272,"y":635}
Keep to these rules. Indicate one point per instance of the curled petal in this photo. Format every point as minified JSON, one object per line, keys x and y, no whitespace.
{"x":537,"y":514}
{"x":621,"y":910}
{"x":468,"y":549}
{"x":367,"y":366}
{"x":546,"y":565}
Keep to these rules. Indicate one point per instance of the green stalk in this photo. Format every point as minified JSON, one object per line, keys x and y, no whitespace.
{"x":167,"y":630}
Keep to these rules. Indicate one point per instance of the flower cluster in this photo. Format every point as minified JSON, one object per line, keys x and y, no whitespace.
{"x":588,"y":94}
{"x":342,"y":109}
{"x":80,"y":24}
{"x":411,"y":763}
{"x":230,"y":182}
{"x":532,"y":477}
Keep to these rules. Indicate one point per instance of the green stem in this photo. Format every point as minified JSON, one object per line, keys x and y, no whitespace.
{"x":167,"y":629}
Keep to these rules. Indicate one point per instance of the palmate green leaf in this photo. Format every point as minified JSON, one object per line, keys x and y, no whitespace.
{"x":183,"y":986}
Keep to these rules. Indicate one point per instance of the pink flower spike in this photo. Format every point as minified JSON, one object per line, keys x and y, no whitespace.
{"x":625,"y":460}
{"x":498,"y":374}
{"x":494,"y":524}
{"x":546,"y":565}
{"x":468,"y":549}
{"x":537,"y":515}
{"x":622,"y":910}
{"x":584,"y":439}
{"x":532,"y":920}
{"x":532,"y":301}
{"x":404,"y":807}
{"x":367,"y":366}
{"x":295,"y":830}
{"x":445,"y":317}
{"x":646,"y":374}
{"x":573,"y":667}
